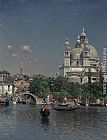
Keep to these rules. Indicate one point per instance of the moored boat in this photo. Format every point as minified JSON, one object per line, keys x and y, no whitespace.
{"x":65,"y":107}
{"x":4,"y":103}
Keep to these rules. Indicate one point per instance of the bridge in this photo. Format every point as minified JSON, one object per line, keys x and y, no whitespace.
{"x":36,"y":99}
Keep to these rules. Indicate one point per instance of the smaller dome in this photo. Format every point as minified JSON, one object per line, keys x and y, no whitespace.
{"x":4,"y":72}
{"x":78,"y":40}
{"x":66,"y":42}
{"x":83,"y":34}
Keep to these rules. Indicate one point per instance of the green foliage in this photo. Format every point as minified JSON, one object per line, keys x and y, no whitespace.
{"x":77,"y":89}
{"x":89,"y":76}
{"x":101,"y":77}
{"x":39,"y":86}
{"x":63,"y":93}
{"x":69,"y":87}
{"x":42,"y":85}
{"x":86,"y":94}
{"x":95,"y":90}
{"x":92,"y":90}
{"x":59,"y":83}
{"x":51,"y":83}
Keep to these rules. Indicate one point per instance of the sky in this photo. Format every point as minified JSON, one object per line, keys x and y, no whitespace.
{"x":33,"y":32}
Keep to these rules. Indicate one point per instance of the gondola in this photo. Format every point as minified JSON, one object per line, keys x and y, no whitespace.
{"x":45,"y":111}
{"x":65,"y":107}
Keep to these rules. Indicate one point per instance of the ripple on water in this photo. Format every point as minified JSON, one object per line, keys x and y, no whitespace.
{"x":25,"y":122}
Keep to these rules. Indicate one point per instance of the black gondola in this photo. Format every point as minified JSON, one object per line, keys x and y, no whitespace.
{"x":45,"y":113}
{"x":45,"y":110}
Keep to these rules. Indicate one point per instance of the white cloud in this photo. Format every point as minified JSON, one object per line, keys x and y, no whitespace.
{"x":26,"y":49}
{"x":14,"y":55}
{"x":9,"y":47}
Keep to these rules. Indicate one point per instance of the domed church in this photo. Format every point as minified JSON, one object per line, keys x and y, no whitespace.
{"x":80,"y":61}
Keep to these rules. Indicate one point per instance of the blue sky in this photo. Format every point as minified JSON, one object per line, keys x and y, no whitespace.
{"x":34,"y":31}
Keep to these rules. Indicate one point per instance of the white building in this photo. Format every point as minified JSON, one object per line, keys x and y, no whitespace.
{"x":80,"y":61}
{"x":6,"y":83}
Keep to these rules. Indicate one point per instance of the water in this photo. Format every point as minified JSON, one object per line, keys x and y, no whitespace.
{"x":23,"y":122}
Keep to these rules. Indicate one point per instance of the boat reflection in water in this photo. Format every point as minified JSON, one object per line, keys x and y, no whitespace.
{"x":45,"y":122}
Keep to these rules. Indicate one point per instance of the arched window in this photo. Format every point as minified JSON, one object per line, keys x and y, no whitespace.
{"x":8,"y":87}
{"x":77,"y":62}
{"x":81,"y":79}
{"x":65,"y":53}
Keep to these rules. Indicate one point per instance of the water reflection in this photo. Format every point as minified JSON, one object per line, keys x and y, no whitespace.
{"x":25,"y":122}
{"x":45,"y":123}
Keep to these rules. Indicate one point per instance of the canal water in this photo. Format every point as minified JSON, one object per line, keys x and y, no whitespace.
{"x":23,"y":122}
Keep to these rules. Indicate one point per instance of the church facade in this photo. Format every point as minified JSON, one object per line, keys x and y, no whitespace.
{"x":81,"y":61}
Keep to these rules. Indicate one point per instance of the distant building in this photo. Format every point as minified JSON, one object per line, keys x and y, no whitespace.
{"x":81,"y":61}
{"x":6,"y":83}
{"x":21,"y":81}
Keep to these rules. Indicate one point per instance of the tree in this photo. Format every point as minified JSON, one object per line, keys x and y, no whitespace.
{"x":95,"y":90}
{"x":51,"y":83}
{"x":69,"y":87}
{"x":39,"y":86}
{"x":63,"y":93}
{"x":101,"y":77}
{"x":79,"y":91}
{"x":89,"y":76}
{"x":59,"y":83}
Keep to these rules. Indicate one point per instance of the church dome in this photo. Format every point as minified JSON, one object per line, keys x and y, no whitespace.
{"x":83,"y":34}
{"x":75,"y":53}
{"x":93,"y":52}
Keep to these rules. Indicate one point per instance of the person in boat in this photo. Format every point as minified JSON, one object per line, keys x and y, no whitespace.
{"x":65,"y":100}
{"x":45,"y":111}
{"x":75,"y":103}
{"x":44,"y":99}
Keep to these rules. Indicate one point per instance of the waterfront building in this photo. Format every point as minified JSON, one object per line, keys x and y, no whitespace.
{"x":80,"y":61}
{"x":21,"y":81}
{"x":6,"y":83}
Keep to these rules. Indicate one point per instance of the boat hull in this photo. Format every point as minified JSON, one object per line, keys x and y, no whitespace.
{"x":99,"y":105}
{"x":45,"y":113}
{"x":65,"y":107}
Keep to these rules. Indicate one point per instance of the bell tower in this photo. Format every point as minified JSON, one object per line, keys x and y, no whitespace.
{"x":67,"y":53}
{"x":21,"y":69}
{"x":86,"y":50}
